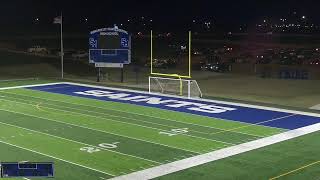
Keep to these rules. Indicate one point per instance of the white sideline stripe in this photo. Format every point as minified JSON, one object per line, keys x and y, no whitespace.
{"x":316,"y":107}
{"x":26,"y":86}
{"x":217,"y":155}
{"x":204,"y":100}
{"x":56,"y":158}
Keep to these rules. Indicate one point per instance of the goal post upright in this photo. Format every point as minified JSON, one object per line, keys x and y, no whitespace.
{"x":188,"y":76}
{"x":175,"y":77}
{"x":189,"y":55}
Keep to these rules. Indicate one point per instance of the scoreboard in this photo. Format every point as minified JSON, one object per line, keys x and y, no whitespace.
{"x":26,"y":169}
{"x":109,"y":46}
{"x":109,"y":41}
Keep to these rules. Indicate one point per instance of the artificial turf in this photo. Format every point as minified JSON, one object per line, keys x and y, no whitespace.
{"x":77,"y":132}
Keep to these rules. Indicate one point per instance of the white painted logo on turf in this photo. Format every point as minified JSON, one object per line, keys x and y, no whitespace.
{"x":173,"y":103}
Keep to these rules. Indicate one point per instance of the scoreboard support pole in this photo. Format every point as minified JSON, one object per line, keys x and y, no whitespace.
{"x":98,"y":74}
{"x":122,"y":74}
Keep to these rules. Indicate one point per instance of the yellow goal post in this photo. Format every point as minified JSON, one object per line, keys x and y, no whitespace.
{"x":176,"y":84}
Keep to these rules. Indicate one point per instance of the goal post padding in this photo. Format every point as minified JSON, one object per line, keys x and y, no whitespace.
{"x":175,"y":86}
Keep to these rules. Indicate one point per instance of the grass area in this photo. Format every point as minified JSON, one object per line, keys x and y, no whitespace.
{"x":23,"y":82}
{"x":107,"y":138}
{"x":275,"y":161}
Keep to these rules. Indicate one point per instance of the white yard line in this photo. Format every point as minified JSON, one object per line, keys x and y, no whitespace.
{"x":217,"y":155}
{"x":56,"y":158}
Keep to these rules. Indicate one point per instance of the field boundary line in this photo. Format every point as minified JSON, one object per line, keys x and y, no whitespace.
{"x":160,"y":118}
{"x":28,"y":86}
{"x":270,"y":120}
{"x":173,"y":147}
{"x":76,"y":164}
{"x":217,"y":155}
{"x":147,"y":127}
{"x":78,"y":142}
{"x":205,"y":100}
{"x":295,"y":170}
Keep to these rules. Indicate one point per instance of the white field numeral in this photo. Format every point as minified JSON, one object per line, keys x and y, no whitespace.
{"x":109,"y":146}
{"x":174,"y":132}
{"x":90,"y":149}
{"x":100,"y":147}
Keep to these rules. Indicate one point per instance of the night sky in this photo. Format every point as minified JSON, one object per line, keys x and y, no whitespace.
{"x":162,"y":12}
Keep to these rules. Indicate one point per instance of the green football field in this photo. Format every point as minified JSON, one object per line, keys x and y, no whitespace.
{"x":94,"y":140}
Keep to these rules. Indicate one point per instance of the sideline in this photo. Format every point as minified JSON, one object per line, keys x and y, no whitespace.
{"x":217,"y":155}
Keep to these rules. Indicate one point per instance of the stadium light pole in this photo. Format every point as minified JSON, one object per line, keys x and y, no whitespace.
{"x":62,"y":52}
{"x":59,"y":20}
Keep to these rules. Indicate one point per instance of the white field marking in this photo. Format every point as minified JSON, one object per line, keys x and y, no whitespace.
{"x":270,"y":120}
{"x":145,"y":115}
{"x":70,"y":125}
{"x":105,"y":114}
{"x":147,"y":127}
{"x":98,"y":147}
{"x":315,"y":107}
{"x":217,"y":155}
{"x":26,"y":178}
{"x":59,"y":87}
{"x":3,"y":142}
{"x":204,"y":100}
{"x":27,"y":86}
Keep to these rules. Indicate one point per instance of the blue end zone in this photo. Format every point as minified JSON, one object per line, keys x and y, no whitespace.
{"x":215,"y":110}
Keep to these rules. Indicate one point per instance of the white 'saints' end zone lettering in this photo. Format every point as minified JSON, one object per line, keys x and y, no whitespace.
{"x":207,"y":108}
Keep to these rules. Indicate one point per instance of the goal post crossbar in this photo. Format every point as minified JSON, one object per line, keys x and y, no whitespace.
{"x":171,"y":75}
